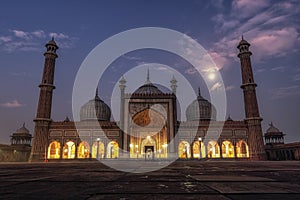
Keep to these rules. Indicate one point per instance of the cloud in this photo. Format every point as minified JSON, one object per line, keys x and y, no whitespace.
{"x":260,"y":70}
{"x":246,"y":8}
{"x":296,"y":77}
{"x":271,"y":30}
{"x":20,"y":40}
{"x":20,"y":34}
{"x":12,"y":104}
{"x":274,"y":42}
{"x":283,"y":92}
{"x":63,"y":40}
{"x":39,"y":34}
{"x":134,"y":58}
{"x":19,"y":74}
{"x":5,"y":38}
{"x":219,"y":59}
{"x":281,"y":68}
{"x":59,"y":35}
{"x":216,"y":86}
{"x":230,"y":87}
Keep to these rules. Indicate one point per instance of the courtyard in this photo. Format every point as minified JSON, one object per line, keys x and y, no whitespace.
{"x":184,"y":179}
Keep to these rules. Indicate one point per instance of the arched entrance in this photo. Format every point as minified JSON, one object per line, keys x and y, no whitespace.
{"x":227,"y":149}
{"x":83,"y":150}
{"x":54,"y":150}
{"x":112,"y":150}
{"x":148,"y":146}
{"x":100,"y":146}
{"x":196,"y":149}
{"x":242,"y":149}
{"x":213,"y":149}
{"x":184,"y":150}
{"x":69,"y":150}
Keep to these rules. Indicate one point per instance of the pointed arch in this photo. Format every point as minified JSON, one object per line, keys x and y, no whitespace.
{"x":83,"y":150}
{"x":54,"y":150}
{"x":69,"y":150}
{"x":184,"y":150}
{"x":112,"y":150}
{"x":213,"y":149}
{"x":227,"y":149}
{"x":242,"y":150}
{"x":196,"y":148}
{"x":100,"y":146}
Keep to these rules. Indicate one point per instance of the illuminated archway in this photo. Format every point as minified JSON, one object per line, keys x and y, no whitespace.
{"x":100,"y":150}
{"x":69,"y":150}
{"x":148,"y":147}
{"x":213,"y":149}
{"x":112,"y":150}
{"x":184,"y":150}
{"x":83,"y":150}
{"x":242,"y":149}
{"x":227,"y":149}
{"x":54,"y":150}
{"x":196,"y":148}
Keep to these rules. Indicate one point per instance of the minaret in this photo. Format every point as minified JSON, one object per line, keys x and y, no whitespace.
{"x":43,"y":115}
{"x":122,"y":85}
{"x":253,"y":119}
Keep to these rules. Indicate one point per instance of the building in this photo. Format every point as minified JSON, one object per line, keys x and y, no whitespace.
{"x":20,"y":147}
{"x":275,"y":147}
{"x":140,"y":139}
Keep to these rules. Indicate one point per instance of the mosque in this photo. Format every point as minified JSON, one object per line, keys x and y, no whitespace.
{"x":147,"y":133}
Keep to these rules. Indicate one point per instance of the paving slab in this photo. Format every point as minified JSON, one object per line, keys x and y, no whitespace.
{"x":180,"y":180}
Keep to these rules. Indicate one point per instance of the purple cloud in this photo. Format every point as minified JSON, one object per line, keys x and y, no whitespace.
{"x":12,"y":104}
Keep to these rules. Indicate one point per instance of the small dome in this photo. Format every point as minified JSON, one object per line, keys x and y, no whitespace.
{"x":22,"y":131}
{"x":95,"y":109}
{"x":273,"y":131}
{"x":51,"y":42}
{"x":243,"y":42}
{"x":200,"y":109}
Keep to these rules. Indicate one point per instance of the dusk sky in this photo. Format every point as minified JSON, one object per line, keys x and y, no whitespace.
{"x":271,"y":27}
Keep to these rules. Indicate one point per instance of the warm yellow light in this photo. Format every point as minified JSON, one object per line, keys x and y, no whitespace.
{"x":211,"y":76}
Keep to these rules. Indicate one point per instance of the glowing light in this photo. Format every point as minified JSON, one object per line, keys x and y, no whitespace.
{"x":211,"y":76}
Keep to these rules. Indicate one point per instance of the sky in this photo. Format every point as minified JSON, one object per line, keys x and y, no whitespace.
{"x":271,"y":27}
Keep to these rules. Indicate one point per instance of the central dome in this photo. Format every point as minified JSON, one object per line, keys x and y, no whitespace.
{"x":200,"y":109}
{"x":95,"y":109}
{"x":148,"y":88}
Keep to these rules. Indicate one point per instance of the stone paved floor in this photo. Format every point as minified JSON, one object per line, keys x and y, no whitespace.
{"x":180,"y":180}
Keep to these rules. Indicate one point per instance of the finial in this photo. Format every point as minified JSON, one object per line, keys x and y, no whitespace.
{"x":52,"y":38}
{"x":96,"y":92}
{"x":148,"y":77}
{"x":24,"y":124}
{"x":173,"y":80}
{"x":271,"y":124}
{"x":242,"y":37}
{"x":199,"y":92}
